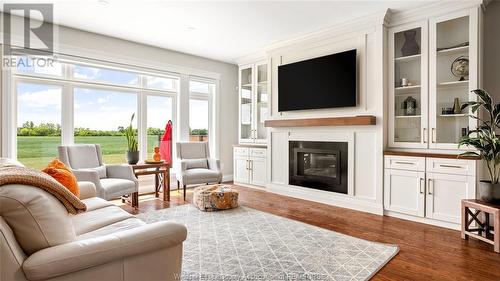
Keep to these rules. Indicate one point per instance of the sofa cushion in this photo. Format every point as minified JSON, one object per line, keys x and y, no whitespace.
{"x":63,"y":175}
{"x":196,"y":163}
{"x":37,"y":218}
{"x":98,"y":218}
{"x":113,"y":228}
{"x":95,"y":203}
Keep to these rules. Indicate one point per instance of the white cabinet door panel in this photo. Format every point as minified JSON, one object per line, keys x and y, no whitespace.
{"x":404,"y":192}
{"x":258,"y":171}
{"x":444,"y":194}
{"x":241,"y":172}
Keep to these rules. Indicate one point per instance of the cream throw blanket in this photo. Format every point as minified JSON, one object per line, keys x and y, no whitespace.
{"x":26,"y":176}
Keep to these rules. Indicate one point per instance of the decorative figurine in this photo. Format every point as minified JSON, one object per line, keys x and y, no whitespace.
{"x":157,"y":156}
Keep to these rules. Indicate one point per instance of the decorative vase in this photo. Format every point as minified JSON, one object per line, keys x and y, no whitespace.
{"x":489,"y":192}
{"x":410,"y":106}
{"x":410,"y":47}
{"x":456,"y":106}
{"x":132,"y":157}
{"x":156,"y":155}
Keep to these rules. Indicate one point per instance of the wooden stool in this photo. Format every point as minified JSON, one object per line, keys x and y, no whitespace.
{"x":482,"y":229}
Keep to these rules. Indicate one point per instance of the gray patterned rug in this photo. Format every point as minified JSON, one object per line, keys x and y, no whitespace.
{"x":246,"y":244}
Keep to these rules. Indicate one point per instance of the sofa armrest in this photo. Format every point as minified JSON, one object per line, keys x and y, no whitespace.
{"x":214,"y":164}
{"x":87,"y":189}
{"x":120,"y":172}
{"x":78,"y":255}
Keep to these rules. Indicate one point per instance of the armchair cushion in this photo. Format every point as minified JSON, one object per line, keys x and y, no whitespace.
{"x":195,"y":176}
{"x":87,"y":190}
{"x":83,"y":156}
{"x":196,"y":163}
{"x":115,"y":187}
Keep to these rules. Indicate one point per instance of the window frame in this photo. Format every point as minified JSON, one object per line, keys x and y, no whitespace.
{"x":68,"y":84}
{"x":210,"y":98}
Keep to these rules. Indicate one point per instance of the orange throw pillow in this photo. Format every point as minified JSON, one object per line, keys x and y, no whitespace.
{"x":63,"y":175}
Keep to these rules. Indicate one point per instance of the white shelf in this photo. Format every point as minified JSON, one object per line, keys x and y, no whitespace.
{"x":247,"y":85}
{"x":408,"y":58}
{"x":263,"y":82}
{"x":453,"y":115}
{"x":407,"y":89}
{"x":453,"y":84}
{"x":454,"y":50}
{"x":407,"y":116}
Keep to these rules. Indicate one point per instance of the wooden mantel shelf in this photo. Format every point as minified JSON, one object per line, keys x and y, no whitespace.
{"x":330,"y":121}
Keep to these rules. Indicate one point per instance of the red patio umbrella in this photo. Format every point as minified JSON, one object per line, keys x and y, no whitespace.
{"x":166,"y":143}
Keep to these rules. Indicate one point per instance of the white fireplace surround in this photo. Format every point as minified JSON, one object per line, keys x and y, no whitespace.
{"x":364,"y":183}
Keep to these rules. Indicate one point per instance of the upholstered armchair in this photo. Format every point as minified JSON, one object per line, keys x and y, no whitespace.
{"x":39,"y":240}
{"x":196,"y":166}
{"x":111,"y":181}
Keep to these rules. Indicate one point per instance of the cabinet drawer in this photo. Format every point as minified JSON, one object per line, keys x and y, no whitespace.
{"x":405,"y":163}
{"x":451,"y":166}
{"x":241,"y":151}
{"x":258,"y":152}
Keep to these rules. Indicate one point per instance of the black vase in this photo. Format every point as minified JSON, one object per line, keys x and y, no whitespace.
{"x":132,"y":157}
{"x":410,"y":47}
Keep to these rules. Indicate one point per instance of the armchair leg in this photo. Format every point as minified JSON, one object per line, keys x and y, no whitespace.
{"x":184,"y":192}
{"x":178,"y":185}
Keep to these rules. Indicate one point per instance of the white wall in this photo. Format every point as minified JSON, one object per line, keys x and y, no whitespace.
{"x":491,"y":43}
{"x":76,"y":42}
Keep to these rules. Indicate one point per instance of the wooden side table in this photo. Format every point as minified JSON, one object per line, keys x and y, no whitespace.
{"x":162,"y":176}
{"x":481,"y":213}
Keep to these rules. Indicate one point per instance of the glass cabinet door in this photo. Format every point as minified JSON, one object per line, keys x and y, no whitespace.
{"x":261,"y":101}
{"x":408,"y":88}
{"x":450,"y":83}
{"x":246,"y":110}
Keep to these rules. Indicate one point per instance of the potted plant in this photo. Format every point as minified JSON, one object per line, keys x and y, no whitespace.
{"x":486,"y":142}
{"x":132,"y":151}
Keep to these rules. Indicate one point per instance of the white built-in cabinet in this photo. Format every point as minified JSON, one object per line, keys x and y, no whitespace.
{"x":250,"y":165}
{"x":254,"y":89}
{"x":422,"y":85}
{"x":430,"y":188}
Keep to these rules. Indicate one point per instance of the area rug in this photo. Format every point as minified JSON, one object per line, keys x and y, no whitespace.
{"x":246,"y":244}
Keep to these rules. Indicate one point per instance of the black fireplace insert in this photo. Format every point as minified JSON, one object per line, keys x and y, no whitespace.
{"x":318,"y":165}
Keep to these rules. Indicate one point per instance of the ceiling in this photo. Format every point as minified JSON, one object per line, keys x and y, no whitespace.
{"x":222,"y":30}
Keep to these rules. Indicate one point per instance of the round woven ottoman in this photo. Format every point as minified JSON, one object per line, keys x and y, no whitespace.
{"x":215,"y":197}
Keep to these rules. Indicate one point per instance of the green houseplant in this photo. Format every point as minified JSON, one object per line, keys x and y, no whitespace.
{"x":485,"y":141}
{"x":132,"y":147}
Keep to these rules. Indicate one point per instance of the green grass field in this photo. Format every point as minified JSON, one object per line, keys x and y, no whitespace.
{"x":36,"y":152}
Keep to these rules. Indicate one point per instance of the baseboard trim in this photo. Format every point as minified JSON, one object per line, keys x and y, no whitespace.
{"x":343,"y":201}
{"x":433,"y":222}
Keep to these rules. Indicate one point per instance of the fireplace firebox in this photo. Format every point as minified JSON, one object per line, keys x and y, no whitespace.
{"x":318,"y":165}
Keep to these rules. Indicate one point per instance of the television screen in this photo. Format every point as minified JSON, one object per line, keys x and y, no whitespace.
{"x":324,"y":82}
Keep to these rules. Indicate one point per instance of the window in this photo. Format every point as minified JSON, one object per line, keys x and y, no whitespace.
{"x":105,"y":75}
{"x":200,"y":113}
{"x":79,"y":101}
{"x":100,"y":118}
{"x":38,"y":123}
{"x":43,"y":67}
{"x":159,"y":110}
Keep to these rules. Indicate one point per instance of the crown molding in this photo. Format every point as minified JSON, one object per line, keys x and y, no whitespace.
{"x":434,"y":9}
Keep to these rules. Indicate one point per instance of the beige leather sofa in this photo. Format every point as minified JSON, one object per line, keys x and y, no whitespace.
{"x":39,"y":240}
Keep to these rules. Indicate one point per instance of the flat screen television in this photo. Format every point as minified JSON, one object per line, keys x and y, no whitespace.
{"x":324,"y":82}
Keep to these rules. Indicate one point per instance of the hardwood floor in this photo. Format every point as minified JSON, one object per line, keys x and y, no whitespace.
{"x":426,"y":252}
